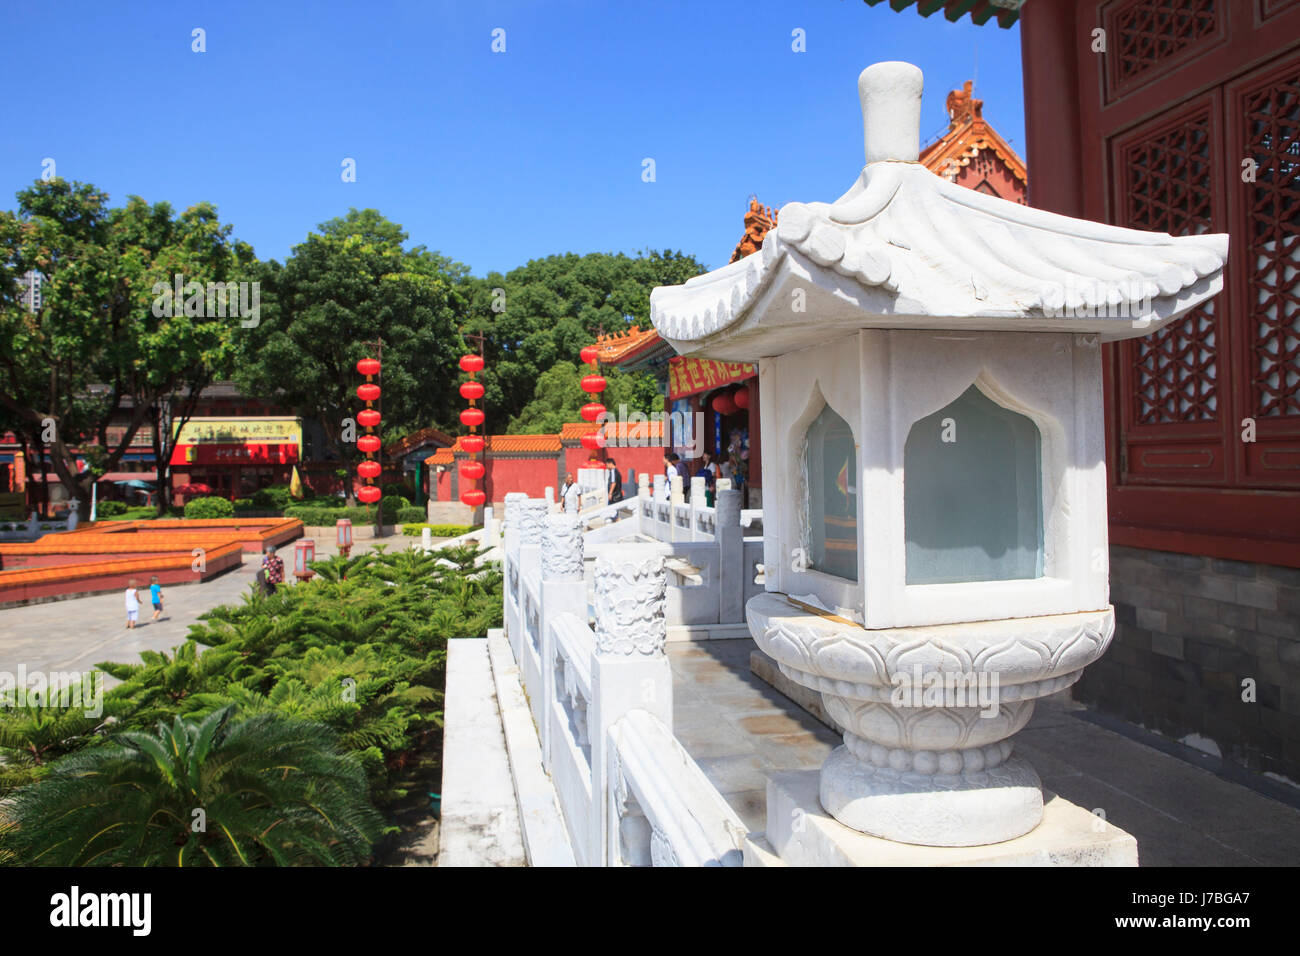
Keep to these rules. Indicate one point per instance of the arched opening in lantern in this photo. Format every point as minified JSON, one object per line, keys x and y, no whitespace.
{"x":831,"y":477}
{"x":973,"y":494}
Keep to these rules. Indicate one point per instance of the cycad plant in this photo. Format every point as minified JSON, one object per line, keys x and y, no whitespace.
{"x":217,"y":792}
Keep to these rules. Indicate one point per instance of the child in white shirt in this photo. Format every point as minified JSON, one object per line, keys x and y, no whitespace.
{"x":132,"y":604}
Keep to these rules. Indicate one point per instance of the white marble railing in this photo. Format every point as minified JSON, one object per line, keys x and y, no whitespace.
{"x":601,"y":696}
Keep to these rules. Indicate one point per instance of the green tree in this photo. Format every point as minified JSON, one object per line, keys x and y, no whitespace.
{"x":344,"y":287}
{"x":100,"y":349}
{"x":558,"y":397}
{"x":215,"y":792}
{"x":546,"y":311}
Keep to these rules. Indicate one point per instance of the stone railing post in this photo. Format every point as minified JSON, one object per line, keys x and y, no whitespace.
{"x":698,"y":502}
{"x":676,"y":499}
{"x":659,"y":529}
{"x":643,"y":493}
{"x":491,"y":537}
{"x":630,"y":669}
{"x":731,"y":557}
{"x":564,"y":590}
{"x":514,"y":582}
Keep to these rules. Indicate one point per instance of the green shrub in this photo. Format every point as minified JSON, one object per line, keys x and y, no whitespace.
{"x":439,"y":530}
{"x":409,"y":515}
{"x":209,"y":507}
{"x":109,"y":509}
{"x":314,"y":515}
{"x":392,"y":505}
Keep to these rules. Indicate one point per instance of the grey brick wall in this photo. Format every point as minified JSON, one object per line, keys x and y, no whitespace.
{"x":1188,"y":632}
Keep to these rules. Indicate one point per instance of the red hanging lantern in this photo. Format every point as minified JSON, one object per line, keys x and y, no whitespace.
{"x":593,"y":383}
{"x":369,"y":469}
{"x":471,"y":363}
{"x":471,"y":390}
{"x":368,"y":443}
{"x":473,"y":498}
{"x":472,"y":417}
{"x":370,"y":494}
{"x":368,"y":392}
{"x":368,"y":417}
{"x":473,"y":470}
{"x":472,"y":444}
{"x":741,"y":397}
{"x":591,"y":411}
{"x":590,"y":355}
{"x":368,"y":366}
{"x":723,"y":404}
{"x":594,"y":441}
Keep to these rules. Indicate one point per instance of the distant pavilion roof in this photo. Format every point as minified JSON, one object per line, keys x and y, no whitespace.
{"x":968,"y":135}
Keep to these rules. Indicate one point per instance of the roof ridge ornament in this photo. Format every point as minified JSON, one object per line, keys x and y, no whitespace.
{"x":890,"y":94}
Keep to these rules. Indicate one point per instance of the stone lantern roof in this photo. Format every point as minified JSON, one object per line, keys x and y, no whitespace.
{"x":905,"y":249}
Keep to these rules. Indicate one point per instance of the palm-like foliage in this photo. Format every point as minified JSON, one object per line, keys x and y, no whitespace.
{"x":215,"y":792}
{"x":34,"y":735}
{"x":359,"y":653}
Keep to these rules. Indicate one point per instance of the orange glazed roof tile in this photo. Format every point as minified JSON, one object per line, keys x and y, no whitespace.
{"x":412,"y":441}
{"x":573,"y":431}
{"x":968,"y":135}
{"x":622,"y":345}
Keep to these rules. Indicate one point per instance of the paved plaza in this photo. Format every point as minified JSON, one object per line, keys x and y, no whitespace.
{"x":739,"y":729}
{"x":76,"y":634}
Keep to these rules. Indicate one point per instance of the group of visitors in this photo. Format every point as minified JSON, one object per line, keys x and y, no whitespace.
{"x":571,"y":493}
{"x":710,"y":470}
{"x":133,"y":601}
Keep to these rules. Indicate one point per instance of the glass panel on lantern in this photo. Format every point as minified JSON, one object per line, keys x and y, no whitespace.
{"x":973,"y":495}
{"x":832,"y":465}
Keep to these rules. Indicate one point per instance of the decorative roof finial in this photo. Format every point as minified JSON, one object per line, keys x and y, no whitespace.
{"x":891,"y":111}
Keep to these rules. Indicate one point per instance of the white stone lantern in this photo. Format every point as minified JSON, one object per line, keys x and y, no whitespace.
{"x":935,"y":544}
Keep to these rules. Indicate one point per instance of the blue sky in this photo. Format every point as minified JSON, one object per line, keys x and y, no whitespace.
{"x":491,"y":158}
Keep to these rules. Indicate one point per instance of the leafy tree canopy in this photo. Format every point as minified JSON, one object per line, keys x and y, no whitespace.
{"x":546,"y":311}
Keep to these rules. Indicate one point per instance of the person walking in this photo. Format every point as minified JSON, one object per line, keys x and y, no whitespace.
{"x":709,"y":472}
{"x":615,"y":482}
{"x":273,"y":565}
{"x":155,"y":596}
{"x":570,"y":495}
{"x":132,"y":604}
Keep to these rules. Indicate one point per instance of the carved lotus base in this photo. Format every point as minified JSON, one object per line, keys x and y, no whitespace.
{"x":932,"y":809}
{"x":928,"y":714}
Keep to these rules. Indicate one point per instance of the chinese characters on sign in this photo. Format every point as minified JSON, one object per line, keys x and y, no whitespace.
{"x":686,"y":376}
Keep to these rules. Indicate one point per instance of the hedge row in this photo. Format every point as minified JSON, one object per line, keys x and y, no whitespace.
{"x":439,"y":530}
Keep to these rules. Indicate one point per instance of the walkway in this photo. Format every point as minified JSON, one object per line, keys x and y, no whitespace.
{"x":739,"y":729}
{"x":76,"y":634}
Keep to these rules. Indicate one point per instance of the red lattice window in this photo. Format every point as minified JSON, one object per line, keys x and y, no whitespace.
{"x":1148,"y":36}
{"x":1272,"y":126}
{"x":1168,"y":188}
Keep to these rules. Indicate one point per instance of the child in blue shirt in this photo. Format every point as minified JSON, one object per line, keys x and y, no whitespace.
{"x":155,"y":595}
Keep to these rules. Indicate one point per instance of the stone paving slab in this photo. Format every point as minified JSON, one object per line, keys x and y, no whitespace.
{"x":738,"y":728}
{"x":76,"y":634}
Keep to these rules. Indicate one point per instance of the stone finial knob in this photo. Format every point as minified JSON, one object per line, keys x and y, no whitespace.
{"x":890,"y":93}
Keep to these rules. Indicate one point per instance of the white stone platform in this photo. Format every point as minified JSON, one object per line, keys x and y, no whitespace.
{"x":801,"y":833}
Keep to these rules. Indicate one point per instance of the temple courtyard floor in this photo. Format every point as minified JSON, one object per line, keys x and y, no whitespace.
{"x":739,"y":729}
{"x":77,"y":633}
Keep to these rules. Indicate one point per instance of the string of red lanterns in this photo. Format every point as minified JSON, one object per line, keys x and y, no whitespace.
{"x":472,"y":418}
{"x":369,"y":418}
{"x":593,"y":384}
